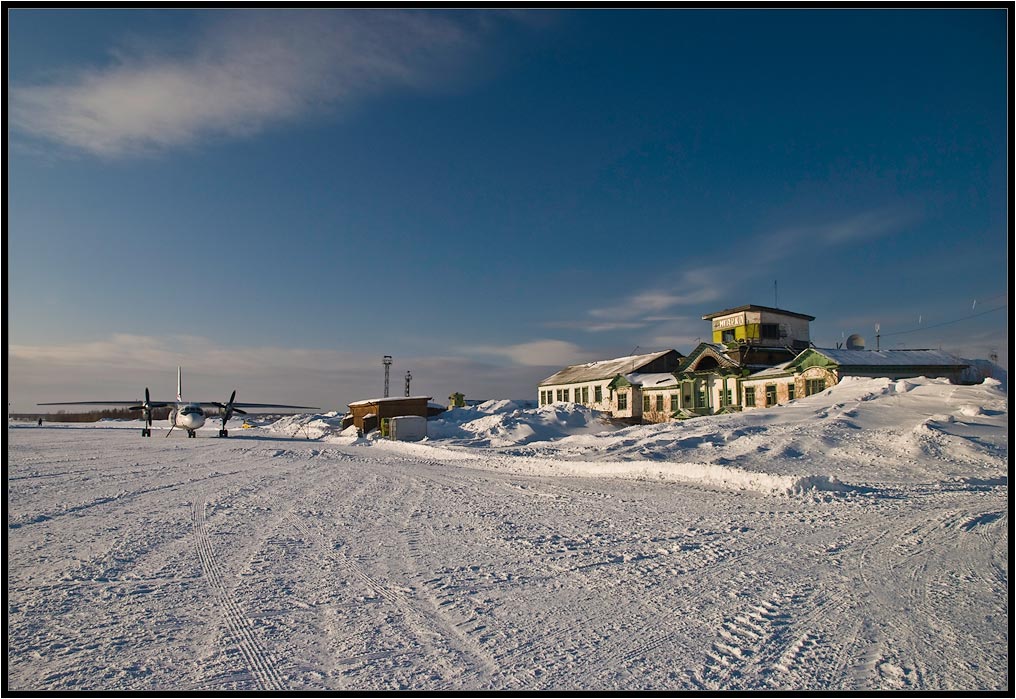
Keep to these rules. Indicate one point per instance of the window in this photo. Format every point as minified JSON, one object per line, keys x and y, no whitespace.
{"x":813,"y":386}
{"x":770,"y":331}
{"x":728,"y":396}
{"x":622,"y":401}
{"x":543,"y":397}
{"x":659,"y":402}
{"x":645,"y":404}
{"x":749,"y":396}
{"x":598,"y":394}
{"x":728,"y":336}
{"x":770,"y":394}
{"x":790,"y":391}
{"x":566,"y":393}
{"x":700,"y":399}
{"x":674,"y":401}
{"x":585,"y":394}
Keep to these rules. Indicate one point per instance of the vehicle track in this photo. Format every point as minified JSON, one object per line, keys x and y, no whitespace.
{"x":260,"y":662}
{"x":424,"y":618}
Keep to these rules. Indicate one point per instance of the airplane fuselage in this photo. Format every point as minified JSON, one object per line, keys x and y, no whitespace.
{"x":187,"y":416}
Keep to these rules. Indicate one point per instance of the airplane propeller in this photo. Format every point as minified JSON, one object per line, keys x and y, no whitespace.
{"x":146,"y":413}
{"x":227,"y":411}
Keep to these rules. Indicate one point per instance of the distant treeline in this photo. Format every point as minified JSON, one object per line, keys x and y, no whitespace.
{"x":93,"y":415}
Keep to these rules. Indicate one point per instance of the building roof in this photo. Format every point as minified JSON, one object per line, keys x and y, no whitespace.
{"x":603,"y":369}
{"x":716,"y":351}
{"x":394,"y":399}
{"x":753,"y":307}
{"x":772,"y":371}
{"x":652,"y":380}
{"x":913,"y":357}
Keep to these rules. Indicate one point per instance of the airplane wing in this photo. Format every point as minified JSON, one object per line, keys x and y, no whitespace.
{"x":261,"y":405}
{"x":154,"y":404}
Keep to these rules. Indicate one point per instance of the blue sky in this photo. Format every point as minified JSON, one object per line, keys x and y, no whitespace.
{"x":275,"y":199}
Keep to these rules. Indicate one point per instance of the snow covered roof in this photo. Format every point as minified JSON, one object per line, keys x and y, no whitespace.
{"x":652,"y":380}
{"x":712,"y":349}
{"x":389,"y":400}
{"x":603,"y":369}
{"x":914,"y":357}
{"x":776,"y":370}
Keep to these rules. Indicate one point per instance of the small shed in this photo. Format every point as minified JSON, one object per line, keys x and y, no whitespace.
{"x":367,"y":414}
{"x":407,"y":428}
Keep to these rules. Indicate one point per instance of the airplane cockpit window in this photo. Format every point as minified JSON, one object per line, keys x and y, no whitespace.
{"x":192,"y":410}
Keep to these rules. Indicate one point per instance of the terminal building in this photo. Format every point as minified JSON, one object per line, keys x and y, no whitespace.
{"x":759,"y":356}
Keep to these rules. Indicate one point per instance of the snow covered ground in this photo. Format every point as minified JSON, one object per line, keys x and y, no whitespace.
{"x":853,"y":540}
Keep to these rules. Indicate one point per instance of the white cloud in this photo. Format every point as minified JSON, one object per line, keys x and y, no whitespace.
{"x":642,"y":309}
{"x":246,"y":72}
{"x":121,"y":366}
{"x":542,"y":353}
{"x":704,"y":282}
{"x":597,"y":326}
{"x":866,"y":225}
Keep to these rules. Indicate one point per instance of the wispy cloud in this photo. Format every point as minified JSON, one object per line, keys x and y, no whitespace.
{"x":144,"y":353}
{"x":706,"y":281}
{"x":867,"y":225}
{"x":537,"y":353}
{"x":649,"y":307}
{"x":596,"y":326}
{"x":121,"y":366}
{"x":246,"y":72}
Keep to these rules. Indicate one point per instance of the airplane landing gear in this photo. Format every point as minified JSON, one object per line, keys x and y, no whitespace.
{"x":146,"y":432}
{"x":223,"y":433}
{"x":191,"y":433}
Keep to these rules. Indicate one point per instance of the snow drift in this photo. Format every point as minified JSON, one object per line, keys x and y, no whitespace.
{"x":845,"y":439}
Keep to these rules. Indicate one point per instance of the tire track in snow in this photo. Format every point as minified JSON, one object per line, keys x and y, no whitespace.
{"x":422,"y":621}
{"x":494,"y":638}
{"x":260,"y":663}
{"x":904,"y":574}
{"x":505,"y":644}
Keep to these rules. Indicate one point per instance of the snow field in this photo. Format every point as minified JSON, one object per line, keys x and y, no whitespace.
{"x":855,"y":540}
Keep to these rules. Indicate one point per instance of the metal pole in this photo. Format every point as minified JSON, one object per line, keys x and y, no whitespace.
{"x":409,"y":377}
{"x":387,"y":361}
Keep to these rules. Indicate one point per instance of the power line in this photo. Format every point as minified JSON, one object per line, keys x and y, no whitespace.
{"x":948,"y":322}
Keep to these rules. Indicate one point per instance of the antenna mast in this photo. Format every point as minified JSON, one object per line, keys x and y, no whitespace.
{"x":387,"y":361}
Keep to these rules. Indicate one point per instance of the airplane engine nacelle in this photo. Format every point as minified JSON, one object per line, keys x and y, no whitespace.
{"x":172,"y":417}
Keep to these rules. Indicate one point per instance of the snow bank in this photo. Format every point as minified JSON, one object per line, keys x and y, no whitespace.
{"x":503,"y":423}
{"x":852,"y":435}
{"x":308,"y":426}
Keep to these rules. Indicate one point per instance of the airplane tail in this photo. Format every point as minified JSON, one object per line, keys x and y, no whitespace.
{"x":179,"y":385}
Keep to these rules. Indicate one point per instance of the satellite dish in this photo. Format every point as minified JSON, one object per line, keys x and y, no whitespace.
{"x":855,"y":342}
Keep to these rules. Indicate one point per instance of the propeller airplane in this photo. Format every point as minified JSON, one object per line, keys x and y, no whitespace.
{"x":187,"y":415}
